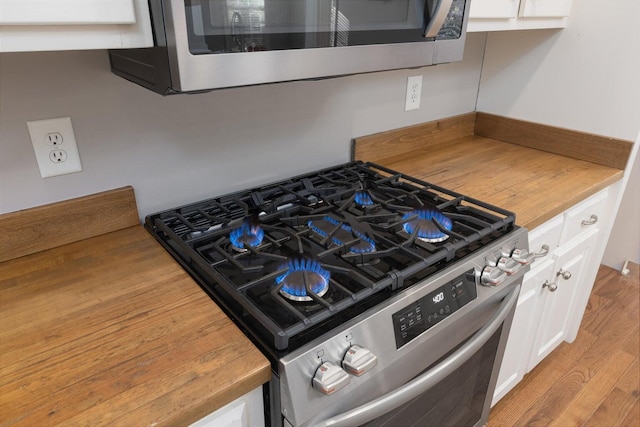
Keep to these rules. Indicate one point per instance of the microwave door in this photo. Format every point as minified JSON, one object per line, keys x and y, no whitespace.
{"x":437,"y":17}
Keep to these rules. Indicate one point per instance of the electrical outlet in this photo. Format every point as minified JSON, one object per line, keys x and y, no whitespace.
{"x":55,"y":146}
{"x":414,"y":90}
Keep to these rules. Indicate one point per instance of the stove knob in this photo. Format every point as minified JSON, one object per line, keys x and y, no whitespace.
{"x":508,"y":265}
{"x":523,"y":256}
{"x":359,"y":360}
{"x":329,"y":378}
{"x":492,"y":276}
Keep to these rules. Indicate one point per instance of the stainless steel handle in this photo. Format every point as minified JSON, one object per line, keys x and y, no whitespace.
{"x":566,"y":275}
{"x":424,"y":382}
{"x":543,"y":252}
{"x":592,"y":220}
{"x":437,"y":20}
{"x":551,"y":286}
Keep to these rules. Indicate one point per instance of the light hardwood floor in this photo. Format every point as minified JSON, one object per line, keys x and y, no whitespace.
{"x":595,"y":381}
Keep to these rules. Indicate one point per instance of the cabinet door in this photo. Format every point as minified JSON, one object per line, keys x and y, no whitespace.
{"x":558,"y":307}
{"x":494,"y":9}
{"x":56,"y":12}
{"x":516,"y":353}
{"x":44,"y":25}
{"x":245,"y":411}
{"x":544,"y":8}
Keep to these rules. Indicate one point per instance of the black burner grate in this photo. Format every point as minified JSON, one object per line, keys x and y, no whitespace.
{"x":350,"y":220}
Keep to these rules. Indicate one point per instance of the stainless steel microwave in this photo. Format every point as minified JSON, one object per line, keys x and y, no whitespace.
{"x":202,"y":45}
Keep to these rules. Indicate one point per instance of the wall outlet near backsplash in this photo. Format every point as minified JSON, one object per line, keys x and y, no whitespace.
{"x":54,"y":145}
{"x":414,"y":90}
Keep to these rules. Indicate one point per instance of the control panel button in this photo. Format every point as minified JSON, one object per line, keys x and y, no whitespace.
{"x":508,"y":265}
{"x":330,"y":378}
{"x":522,"y":256}
{"x":492,"y":276}
{"x":359,"y":360}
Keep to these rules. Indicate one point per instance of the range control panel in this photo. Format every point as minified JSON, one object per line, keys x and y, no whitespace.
{"x":421,"y":315}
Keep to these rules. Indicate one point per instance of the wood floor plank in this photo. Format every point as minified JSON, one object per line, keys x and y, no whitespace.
{"x":633,"y":418}
{"x":512,"y":408}
{"x":630,"y":381}
{"x":594,"y":381}
{"x":613,"y":410}
{"x":594,"y":392}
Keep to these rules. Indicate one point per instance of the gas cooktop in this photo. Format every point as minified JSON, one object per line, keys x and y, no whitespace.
{"x":290,"y":260}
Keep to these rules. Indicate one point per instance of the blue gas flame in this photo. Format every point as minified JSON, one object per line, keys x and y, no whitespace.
{"x":321,"y":277}
{"x":246,"y":235}
{"x":426,"y":231}
{"x":363,"y":198}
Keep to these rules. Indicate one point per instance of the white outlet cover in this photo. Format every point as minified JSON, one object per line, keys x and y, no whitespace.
{"x":60,"y":157}
{"x":414,"y":90}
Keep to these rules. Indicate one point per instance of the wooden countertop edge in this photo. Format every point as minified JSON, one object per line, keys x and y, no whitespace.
{"x":256,"y":378}
{"x":44,"y":227}
{"x":571,"y":201}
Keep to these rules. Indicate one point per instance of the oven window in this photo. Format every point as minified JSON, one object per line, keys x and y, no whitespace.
{"x":458,"y":400}
{"x":222,"y":26}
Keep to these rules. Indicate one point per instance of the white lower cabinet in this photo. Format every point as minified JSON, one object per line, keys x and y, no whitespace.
{"x":558,"y":293}
{"x":555,"y":291}
{"x":521,"y":337}
{"x":245,"y":411}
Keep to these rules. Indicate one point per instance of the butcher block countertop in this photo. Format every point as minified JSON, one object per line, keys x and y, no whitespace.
{"x":533,"y":170}
{"x":100,"y":326}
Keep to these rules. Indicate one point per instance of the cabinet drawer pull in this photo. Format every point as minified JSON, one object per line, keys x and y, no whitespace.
{"x":592,"y":220}
{"x":551,"y":286}
{"x":543,"y":252}
{"x":566,"y":275}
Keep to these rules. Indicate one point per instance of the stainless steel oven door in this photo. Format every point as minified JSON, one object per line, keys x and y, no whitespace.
{"x":445,"y":377}
{"x":453,"y":392}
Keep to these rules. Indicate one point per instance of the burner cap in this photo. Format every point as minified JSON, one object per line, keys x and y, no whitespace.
{"x":363,"y":198}
{"x":303,"y":276}
{"x":427,"y":229}
{"x":247,"y":235}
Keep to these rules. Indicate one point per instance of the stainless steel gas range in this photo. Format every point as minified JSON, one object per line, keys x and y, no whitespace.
{"x":379,"y":299}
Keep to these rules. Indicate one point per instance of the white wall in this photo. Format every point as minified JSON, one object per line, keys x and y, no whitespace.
{"x":180,"y":149}
{"x":583,"y":77}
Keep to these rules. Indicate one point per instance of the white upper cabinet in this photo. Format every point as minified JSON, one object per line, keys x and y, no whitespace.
{"x":487,"y":9}
{"x":545,"y":8}
{"x":496,"y":15}
{"x":40,"y":25}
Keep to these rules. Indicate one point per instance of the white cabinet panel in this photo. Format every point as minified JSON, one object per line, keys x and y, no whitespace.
{"x":523,"y":328}
{"x":44,"y":25}
{"x":245,"y":411}
{"x":494,"y":8}
{"x":587,"y":214}
{"x":547,"y":234}
{"x":558,"y":308}
{"x":499,"y":15}
{"x":44,"y":12}
{"x":545,"y":8}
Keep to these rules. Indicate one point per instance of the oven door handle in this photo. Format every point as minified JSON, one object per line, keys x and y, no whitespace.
{"x":424,"y":382}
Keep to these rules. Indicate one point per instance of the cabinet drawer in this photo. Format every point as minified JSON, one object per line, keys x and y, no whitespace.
{"x":586,"y":215}
{"x":546,"y":234}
